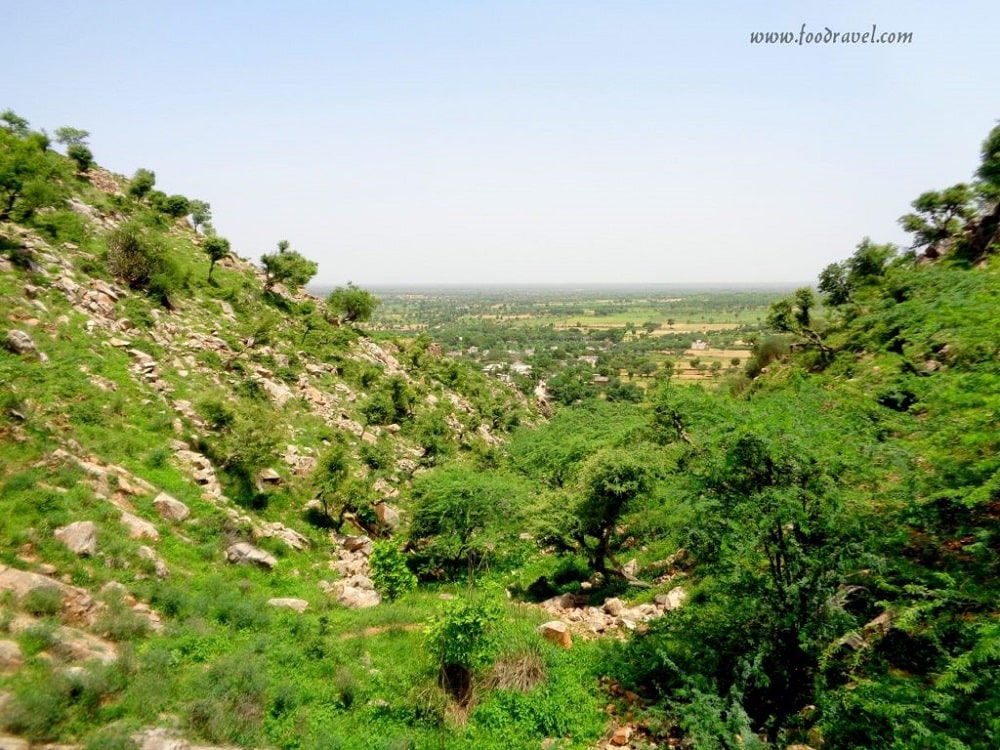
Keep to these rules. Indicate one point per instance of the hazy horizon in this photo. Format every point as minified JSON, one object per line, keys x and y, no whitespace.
{"x":437,"y":142}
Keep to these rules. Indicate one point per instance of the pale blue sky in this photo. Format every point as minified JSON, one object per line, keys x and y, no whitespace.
{"x":522,"y":141}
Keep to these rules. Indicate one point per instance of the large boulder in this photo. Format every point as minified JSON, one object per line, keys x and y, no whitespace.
{"x":11,"y":658}
{"x":159,"y":567}
{"x":80,"y":537}
{"x":170,"y":508}
{"x":299,"y":605}
{"x":358,"y":598}
{"x":242,"y":553}
{"x":20,"y":342}
{"x":555,"y":631}
{"x":139,"y":528}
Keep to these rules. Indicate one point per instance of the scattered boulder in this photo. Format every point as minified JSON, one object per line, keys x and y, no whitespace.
{"x":11,"y":658}
{"x":243,"y":553}
{"x":276,"y":530}
{"x":614,"y":607}
{"x":360,"y":544}
{"x":159,"y":567}
{"x":387,"y":515}
{"x":357,"y":592}
{"x":13,"y":743}
{"x":672,"y":600}
{"x":139,"y":528}
{"x":299,"y":605}
{"x":170,"y":508}
{"x":358,"y":598}
{"x":556,"y":632}
{"x":270,"y":477}
{"x":80,"y":537}
{"x":20,"y":342}
{"x":622,"y":736}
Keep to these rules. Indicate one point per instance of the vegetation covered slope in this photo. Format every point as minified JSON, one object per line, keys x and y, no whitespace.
{"x":808,"y":553}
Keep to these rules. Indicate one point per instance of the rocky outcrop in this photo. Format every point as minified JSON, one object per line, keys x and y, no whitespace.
{"x":614,"y":614}
{"x":77,"y":604}
{"x":80,"y":537}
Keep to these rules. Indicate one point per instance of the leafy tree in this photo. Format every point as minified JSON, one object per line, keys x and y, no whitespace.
{"x":866,"y":268}
{"x":75,"y":141}
{"x":287,"y":267}
{"x":939,"y":216}
{"x":351,"y":304}
{"x":26,"y":175}
{"x":172,"y":205}
{"x":613,"y":481}
{"x":989,"y":170}
{"x":794,"y":315}
{"x":201,"y":213}
{"x":14,"y":123}
{"x":72,"y":136}
{"x":142,"y":183}
{"x":390,"y":574}
{"x":217,"y":248}
{"x":461,"y":513}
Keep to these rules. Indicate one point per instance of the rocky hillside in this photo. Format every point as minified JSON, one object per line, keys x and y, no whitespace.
{"x":194,"y":455}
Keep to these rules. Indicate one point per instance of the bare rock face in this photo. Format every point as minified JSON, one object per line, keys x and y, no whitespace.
{"x":556,"y":632}
{"x":170,"y":508}
{"x":242,"y":553}
{"x":299,"y":605}
{"x":139,"y":528}
{"x":80,"y":537}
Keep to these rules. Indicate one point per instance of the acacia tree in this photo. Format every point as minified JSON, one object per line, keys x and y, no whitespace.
{"x":794,"y":315}
{"x":201,"y":214}
{"x":939,"y":216}
{"x":841,"y":282}
{"x":614,"y":480}
{"x":351,"y":304}
{"x":26,"y":175}
{"x":142,"y":183}
{"x":288,"y":267}
{"x":75,"y":141}
{"x":217,"y":248}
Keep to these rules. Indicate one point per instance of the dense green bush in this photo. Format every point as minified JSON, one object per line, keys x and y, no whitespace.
{"x":389,"y":571}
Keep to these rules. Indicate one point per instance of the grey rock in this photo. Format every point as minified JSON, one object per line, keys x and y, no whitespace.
{"x":299,"y":605}
{"x":80,"y":537}
{"x":11,"y":658}
{"x":242,"y":553}
{"x":139,"y":528}
{"x":170,"y":508}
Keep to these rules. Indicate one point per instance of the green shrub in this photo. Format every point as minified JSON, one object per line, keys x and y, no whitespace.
{"x":43,"y":602}
{"x":462,"y":639}
{"x":130,"y":256}
{"x":389,"y":573}
{"x":119,"y":623}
